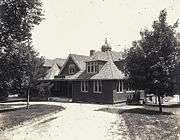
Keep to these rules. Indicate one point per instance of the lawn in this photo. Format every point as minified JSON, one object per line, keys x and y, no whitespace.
{"x":147,"y":124}
{"x":150,"y":125}
{"x":13,"y":118}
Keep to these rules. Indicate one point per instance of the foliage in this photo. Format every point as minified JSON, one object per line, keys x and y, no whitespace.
{"x":19,"y":61}
{"x":150,"y":63}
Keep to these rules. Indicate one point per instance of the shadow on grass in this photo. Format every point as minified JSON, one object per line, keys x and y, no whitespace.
{"x":144,"y":111}
{"x":165,"y":106}
{"x":13,"y":118}
{"x":134,"y":110}
{"x":147,"y":124}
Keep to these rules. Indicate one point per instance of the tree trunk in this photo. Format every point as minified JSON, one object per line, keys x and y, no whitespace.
{"x":160,"y":105}
{"x":28,"y":98}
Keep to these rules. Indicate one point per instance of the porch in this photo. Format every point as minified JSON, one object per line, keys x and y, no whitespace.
{"x":62,"y":88}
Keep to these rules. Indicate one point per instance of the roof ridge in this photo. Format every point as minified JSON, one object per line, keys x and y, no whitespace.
{"x":79,"y":55}
{"x":110,"y":64}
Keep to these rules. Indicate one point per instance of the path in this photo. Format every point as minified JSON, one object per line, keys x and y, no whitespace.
{"x":76,"y":122}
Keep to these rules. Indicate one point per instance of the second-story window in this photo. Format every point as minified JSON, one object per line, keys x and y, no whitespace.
{"x":91,"y":67}
{"x":88,"y":68}
{"x":71,"y":69}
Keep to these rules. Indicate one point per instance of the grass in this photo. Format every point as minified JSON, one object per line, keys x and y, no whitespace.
{"x":150,"y":125}
{"x":13,"y":118}
{"x":146,"y":124}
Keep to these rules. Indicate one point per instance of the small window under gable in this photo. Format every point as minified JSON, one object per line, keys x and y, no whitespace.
{"x":71,"y":69}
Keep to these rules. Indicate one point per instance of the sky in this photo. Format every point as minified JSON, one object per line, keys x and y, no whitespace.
{"x":77,"y":26}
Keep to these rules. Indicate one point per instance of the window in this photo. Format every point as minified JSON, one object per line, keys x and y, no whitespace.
{"x":124,"y":85}
{"x":91,"y":67}
{"x":128,"y":86}
{"x":119,"y":86}
{"x":88,"y":68}
{"x":97,"y":86}
{"x":84,"y":86}
{"x":71,"y":69}
{"x":100,"y":66}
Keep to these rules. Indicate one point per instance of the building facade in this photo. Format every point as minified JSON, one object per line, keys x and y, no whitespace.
{"x":96,"y":78}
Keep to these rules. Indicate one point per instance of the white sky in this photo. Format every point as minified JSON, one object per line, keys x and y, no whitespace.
{"x":76,"y":26}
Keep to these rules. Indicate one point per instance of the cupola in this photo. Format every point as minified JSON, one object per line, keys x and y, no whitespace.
{"x":106,"y":47}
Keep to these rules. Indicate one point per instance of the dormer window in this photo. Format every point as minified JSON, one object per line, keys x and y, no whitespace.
{"x":71,"y":69}
{"x":91,"y":67}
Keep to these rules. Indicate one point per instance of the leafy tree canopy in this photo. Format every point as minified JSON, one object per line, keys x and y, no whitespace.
{"x":150,"y":63}
{"x":18,"y":59}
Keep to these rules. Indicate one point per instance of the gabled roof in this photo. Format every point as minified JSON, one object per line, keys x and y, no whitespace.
{"x":80,"y":60}
{"x":59,"y":61}
{"x":53,"y":71}
{"x":48,"y":63}
{"x":109,"y":71}
{"x":74,"y":76}
{"x":51,"y":62}
{"x":55,"y":65}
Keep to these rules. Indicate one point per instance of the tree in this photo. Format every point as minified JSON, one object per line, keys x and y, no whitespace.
{"x":150,"y":63}
{"x":17,"y":56}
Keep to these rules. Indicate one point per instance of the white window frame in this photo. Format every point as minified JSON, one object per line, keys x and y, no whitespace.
{"x":97,"y":83}
{"x":84,"y":86}
{"x":120,"y":85}
{"x":92,"y":67}
{"x":71,"y":66}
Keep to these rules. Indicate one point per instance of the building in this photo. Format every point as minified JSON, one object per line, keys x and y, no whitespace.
{"x":53,"y":67}
{"x":96,"y":78}
{"x":43,"y":89}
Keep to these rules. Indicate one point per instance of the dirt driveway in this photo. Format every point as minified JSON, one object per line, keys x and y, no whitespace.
{"x":76,"y":122}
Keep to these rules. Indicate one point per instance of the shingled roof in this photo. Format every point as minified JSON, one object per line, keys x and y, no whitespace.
{"x":53,"y":71}
{"x":54,"y":65}
{"x":80,"y":60}
{"x":106,"y":56}
{"x":109,"y":71}
{"x":51,"y":62}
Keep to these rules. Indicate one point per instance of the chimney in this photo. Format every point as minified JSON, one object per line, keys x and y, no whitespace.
{"x":92,"y":52}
